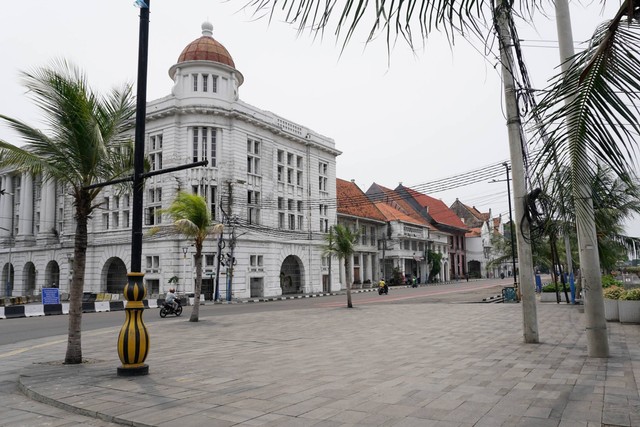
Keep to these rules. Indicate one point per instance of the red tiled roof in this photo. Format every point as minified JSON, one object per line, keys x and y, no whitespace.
{"x":396,"y":201}
{"x":437,"y":209}
{"x":352,"y":201}
{"x":484,"y":216}
{"x":393,"y":214}
{"x":474,"y":232}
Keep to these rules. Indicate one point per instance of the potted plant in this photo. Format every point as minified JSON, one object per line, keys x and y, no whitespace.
{"x":629,"y":306}
{"x":611,"y":297}
{"x":548,"y":293}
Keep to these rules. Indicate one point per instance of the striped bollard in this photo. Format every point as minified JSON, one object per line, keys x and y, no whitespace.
{"x":133,"y":340}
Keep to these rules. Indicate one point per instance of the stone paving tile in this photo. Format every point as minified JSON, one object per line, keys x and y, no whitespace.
{"x":448,"y":371}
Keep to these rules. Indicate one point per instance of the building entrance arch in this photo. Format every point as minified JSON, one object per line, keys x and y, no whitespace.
{"x":291,"y":276}
{"x":7,"y":279}
{"x":52,"y":275}
{"x":114,"y":276}
{"x":29,"y":274}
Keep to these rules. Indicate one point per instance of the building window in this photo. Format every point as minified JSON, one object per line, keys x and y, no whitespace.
{"x":280,"y":156}
{"x":214,"y":84}
{"x":323,"y":179}
{"x":205,"y":82}
{"x":281,"y":224}
{"x":300,"y":222}
{"x":253,"y":207}
{"x":280,"y":173}
{"x":253,"y":157}
{"x":324,"y":221}
{"x":194,"y":80}
{"x":154,"y":204}
{"x":299,"y":178}
{"x":153,"y":264}
{"x":213,"y":202}
{"x":299,"y":162}
{"x":204,"y":144}
{"x":256,"y":260}
{"x":292,"y":222}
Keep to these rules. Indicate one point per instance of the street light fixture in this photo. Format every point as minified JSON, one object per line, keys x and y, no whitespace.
{"x":185,"y":250}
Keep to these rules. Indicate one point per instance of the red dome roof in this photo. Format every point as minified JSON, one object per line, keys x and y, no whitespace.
{"x":206,"y":48}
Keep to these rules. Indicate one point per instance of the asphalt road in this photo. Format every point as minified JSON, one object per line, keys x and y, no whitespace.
{"x":22,"y":329}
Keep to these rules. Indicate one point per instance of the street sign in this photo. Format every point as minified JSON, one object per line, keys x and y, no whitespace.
{"x":50,"y":296}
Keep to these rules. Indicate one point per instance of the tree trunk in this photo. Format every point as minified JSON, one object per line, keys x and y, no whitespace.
{"x":74,"y":342}
{"x":347,"y":275}
{"x":195,"y":312}
{"x":596,"y":325}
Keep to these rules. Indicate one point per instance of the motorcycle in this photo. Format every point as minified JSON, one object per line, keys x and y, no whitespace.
{"x":167,"y":308}
{"x":383,"y":289}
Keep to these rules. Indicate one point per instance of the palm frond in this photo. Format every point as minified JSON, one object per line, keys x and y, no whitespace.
{"x":591,"y":114}
{"x":393,"y":19}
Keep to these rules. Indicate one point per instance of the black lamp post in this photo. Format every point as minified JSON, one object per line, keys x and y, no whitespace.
{"x":133,"y":340}
{"x":512,"y":225}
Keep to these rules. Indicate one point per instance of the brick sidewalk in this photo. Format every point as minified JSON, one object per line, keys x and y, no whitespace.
{"x":430,"y":364}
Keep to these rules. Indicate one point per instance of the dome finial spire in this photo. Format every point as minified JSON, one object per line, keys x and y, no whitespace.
{"x":207,"y":29}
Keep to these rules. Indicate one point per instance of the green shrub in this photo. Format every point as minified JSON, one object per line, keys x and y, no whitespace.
{"x":551,"y":287}
{"x":609,"y":280}
{"x":613,"y":292}
{"x":631,"y":295}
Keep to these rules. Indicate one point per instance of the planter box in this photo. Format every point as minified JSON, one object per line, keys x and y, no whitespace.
{"x":611,"y":311}
{"x":629,"y":311}
{"x":549,"y":297}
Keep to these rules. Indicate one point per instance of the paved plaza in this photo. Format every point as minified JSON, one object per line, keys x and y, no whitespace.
{"x":375,"y":365}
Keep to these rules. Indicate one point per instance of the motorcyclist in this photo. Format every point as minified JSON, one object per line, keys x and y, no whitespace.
{"x":383,"y":286}
{"x":172,"y":298}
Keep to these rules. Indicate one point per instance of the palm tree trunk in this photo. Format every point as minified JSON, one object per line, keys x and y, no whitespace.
{"x":347,"y":275}
{"x":74,"y":342}
{"x":195,"y":312}
{"x":596,"y":325}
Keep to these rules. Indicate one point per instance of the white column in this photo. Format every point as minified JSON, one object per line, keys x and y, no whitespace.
{"x":369,"y":267}
{"x":48,"y":207}
{"x":25,"y":224}
{"x":6,"y":205}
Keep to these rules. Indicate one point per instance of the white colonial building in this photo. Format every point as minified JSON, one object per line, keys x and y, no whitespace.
{"x":271,"y":181}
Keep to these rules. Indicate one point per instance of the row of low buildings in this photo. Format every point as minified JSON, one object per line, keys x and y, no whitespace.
{"x":271,"y":181}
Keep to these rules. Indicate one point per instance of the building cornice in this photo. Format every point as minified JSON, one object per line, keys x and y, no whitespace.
{"x":276,"y":129}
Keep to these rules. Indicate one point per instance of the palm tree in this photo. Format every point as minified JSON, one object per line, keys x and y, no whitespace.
{"x":340,"y":243}
{"x":85,"y":143}
{"x":192,"y":219}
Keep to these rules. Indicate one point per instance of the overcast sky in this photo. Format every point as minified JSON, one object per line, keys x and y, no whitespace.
{"x":410,"y":117}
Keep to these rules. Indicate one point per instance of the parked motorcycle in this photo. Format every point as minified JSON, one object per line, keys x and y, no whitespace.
{"x":167,"y":308}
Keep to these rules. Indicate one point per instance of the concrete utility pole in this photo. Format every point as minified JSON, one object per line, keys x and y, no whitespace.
{"x":565,"y":44}
{"x":525,"y":259}
{"x":596,"y":325}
